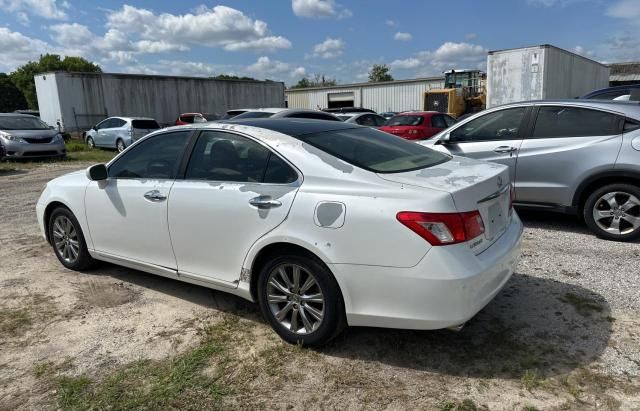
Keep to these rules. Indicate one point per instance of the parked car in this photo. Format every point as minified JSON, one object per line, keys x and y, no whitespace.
{"x":573,"y":156}
{"x":388,"y":114}
{"x":286,"y":113}
{"x":363,"y":119}
{"x":417,"y":125}
{"x":119,"y":132}
{"x":190,"y":118}
{"x":26,"y":136}
{"x":348,"y":110}
{"x":322,"y":223}
{"x":624,"y":93}
{"x":3,"y":152}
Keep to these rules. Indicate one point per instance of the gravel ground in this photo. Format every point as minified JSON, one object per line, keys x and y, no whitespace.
{"x":563,"y":334}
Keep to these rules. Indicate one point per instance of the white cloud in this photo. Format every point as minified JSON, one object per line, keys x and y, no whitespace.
{"x":299,"y":72}
{"x":22,"y":18}
{"x":187,"y":68}
{"x":48,"y":9}
{"x":471,"y":36}
{"x":219,"y":26}
{"x":625,"y":9}
{"x":409,"y":63}
{"x":319,"y":9}
{"x":391,"y":23}
{"x":400,"y":36}
{"x":583,"y":52}
{"x":449,"y":55}
{"x":265,"y":65}
{"x":330,"y":48}
{"x":18,"y":49}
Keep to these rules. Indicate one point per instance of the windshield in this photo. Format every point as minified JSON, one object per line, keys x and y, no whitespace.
{"x":253,"y":114}
{"x":22,"y":123}
{"x":405,"y":121}
{"x":374,"y":150}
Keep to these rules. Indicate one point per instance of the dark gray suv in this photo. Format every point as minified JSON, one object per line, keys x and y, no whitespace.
{"x":575,"y":156}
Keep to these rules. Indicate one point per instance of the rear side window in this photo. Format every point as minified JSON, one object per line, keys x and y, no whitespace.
{"x":631,"y":126}
{"x":279,"y":172}
{"x":405,"y":121}
{"x":145,"y":124}
{"x":561,"y":121}
{"x":374,"y":150}
{"x":116,"y":122}
{"x":438,"y":122}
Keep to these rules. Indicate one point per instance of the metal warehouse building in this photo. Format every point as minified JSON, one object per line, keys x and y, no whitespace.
{"x":399,"y":95}
{"x":80,"y":100}
{"x":621,"y":74}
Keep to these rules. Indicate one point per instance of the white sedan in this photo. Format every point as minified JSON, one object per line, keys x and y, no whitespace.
{"x":324,"y":224}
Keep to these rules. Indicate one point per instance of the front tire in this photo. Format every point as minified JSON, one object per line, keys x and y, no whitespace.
{"x":68,"y":241}
{"x":90,"y":143}
{"x":301,"y":300}
{"x":612,"y":212}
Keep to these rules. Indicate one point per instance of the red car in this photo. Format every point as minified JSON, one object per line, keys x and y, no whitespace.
{"x":190,"y":118}
{"x":417,"y":125}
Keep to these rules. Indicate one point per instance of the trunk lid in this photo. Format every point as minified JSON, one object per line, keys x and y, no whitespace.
{"x":473,"y":185}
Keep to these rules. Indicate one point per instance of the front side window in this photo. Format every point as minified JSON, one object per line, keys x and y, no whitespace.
{"x":498,"y":125}
{"x":103,"y":124}
{"x":559,"y":121}
{"x":449,"y":120}
{"x":374,"y":150}
{"x":155,"y":158}
{"x":366,"y":120}
{"x":379,"y":121}
{"x":221,"y":156}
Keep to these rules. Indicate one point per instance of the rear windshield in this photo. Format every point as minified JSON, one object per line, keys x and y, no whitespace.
{"x":405,"y":121}
{"x":253,"y":114}
{"x":145,"y":124}
{"x":22,"y":123}
{"x":374,"y":150}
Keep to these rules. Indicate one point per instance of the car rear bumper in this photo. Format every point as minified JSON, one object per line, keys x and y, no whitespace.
{"x":447,"y":288}
{"x":27,"y":150}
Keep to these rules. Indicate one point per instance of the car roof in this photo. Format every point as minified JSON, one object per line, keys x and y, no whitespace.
{"x":190,"y":114}
{"x":16,"y":115}
{"x":264,"y":109}
{"x":628,"y":108}
{"x":614,"y":88}
{"x":292,"y":126}
{"x":133,"y":118}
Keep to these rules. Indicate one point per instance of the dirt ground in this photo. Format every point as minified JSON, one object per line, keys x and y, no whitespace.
{"x":563,"y":334}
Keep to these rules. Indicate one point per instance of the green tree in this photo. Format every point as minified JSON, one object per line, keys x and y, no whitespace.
{"x":379,"y":72}
{"x":230,"y":77}
{"x":11,"y":98}
{"x":318,"y":80}
{"x":22,"y":77}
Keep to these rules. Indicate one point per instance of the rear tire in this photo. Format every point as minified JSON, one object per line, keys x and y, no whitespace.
{"x":612,"y":212}
{"x":68,"y":241}
{"x":307,"y":311}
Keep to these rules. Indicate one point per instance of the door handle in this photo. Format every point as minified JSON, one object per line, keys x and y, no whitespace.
{"x":155,"y":196}
{"x":505,"y":149}
{"x":264,"y":202}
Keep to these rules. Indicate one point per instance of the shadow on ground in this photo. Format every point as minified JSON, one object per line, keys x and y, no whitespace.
{"x":533,"y":324}
{"x":12,"y":172}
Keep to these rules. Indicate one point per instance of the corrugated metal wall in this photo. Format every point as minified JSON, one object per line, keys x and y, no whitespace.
{"x":569,"y":75}
{"x":400,"y":96}
{"x":85,"y":98}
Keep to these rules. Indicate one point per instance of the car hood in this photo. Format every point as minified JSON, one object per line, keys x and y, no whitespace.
{"x":467,"y":180}
{"x":48,"y":133}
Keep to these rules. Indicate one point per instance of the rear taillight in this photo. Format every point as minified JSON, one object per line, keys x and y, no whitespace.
{"x":443,"y":228}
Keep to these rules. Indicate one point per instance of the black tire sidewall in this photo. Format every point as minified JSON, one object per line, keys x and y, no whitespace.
{"x":332,"y":322}
{"x":587,"y":212}
{"x":84,"y":260}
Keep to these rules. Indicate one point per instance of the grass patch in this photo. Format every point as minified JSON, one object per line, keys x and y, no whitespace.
{"x":15,"y":320}
{"x":77,"y":151}
{"x":531,"y":379}
{"x":464,"y":405}
{"x":583,"y":305}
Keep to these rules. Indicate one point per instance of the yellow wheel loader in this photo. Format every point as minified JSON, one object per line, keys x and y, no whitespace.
{"x":463,"y":93}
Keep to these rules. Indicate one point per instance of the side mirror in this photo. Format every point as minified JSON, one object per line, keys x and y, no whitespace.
{"x":97,"y":172}
{"x":94,"y":128}
{"x":444,"y":140}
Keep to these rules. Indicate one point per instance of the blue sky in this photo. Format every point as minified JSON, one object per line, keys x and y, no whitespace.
{"x":287,"y":39}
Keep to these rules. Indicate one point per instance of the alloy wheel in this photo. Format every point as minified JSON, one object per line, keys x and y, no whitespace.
{"x":120,"y":146}
{"x":617,"y":213}
{"x":65,"y":238}
{"x":90,"y":143}
{"x":295,"y":298}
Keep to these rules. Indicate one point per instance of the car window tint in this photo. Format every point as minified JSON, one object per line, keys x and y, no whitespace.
{"x":374,"y":150}
{"x":220,"y":156}
{"x":561,"y":121}
{"x":155,"y":158}
{"x":437,"y":121}
{"x":279,"y":172}
{"x":145,"y":124}
{"x":379,"y":121}
{"x":631,"y":126}
{"x":366,"y":120}
{"x":117,"y":122}
{"x":498,"y":125}
{"x":314,"y":116}
{"x":105,"y":124}
{"x":449,"y":120}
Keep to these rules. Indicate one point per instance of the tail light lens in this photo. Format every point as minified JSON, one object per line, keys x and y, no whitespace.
{"x":443,"y":228}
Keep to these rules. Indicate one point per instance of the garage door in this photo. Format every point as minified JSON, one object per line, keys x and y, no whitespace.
{"x":337,"y":100}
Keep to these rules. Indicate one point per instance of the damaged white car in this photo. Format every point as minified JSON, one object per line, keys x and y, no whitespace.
{"x":324,"y":224}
